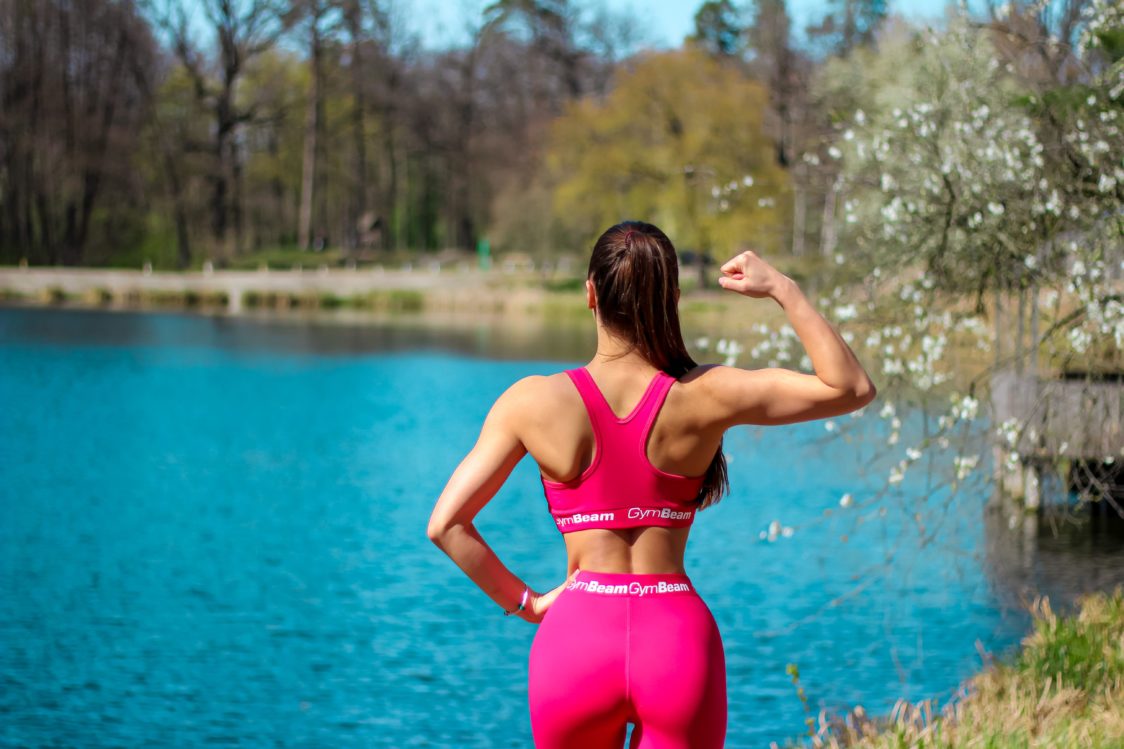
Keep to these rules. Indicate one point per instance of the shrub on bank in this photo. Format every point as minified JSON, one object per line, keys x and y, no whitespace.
{"x":1065,"y":688}
{"x":390,"y":300}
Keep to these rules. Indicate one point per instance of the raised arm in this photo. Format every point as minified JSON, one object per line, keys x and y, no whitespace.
{"x":782,"y":396}
{"x":472,"y":485}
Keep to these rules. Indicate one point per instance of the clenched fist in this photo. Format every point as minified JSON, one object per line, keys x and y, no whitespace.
{"x":748,"y":274}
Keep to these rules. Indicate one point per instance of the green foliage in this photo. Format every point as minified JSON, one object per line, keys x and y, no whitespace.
{"x":276,"y":85}
{"x":718,"y":28}
{"x":405,"y":300}
{"x":793,"y":672}
{"x":389,"y":300}
{"x":1104,"y":33}
{"x":565,"y":284}
{"x":286,"y":258}
{"x":1086,"y":650}
{"x":156,"y":245}
{"x":679,"y":141}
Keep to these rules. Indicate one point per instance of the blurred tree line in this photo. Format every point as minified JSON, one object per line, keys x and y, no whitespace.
{"x":178,"y":130}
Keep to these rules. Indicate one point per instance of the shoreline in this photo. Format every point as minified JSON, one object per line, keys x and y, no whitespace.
{"x":235,"y":289}
{"x":371,"y":294}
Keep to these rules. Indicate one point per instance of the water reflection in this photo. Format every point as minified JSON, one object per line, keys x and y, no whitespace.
{"x":334,"y":332}
{"x":1057,"y":553}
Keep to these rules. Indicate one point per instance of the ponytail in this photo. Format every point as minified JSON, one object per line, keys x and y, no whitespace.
{"x":635,"y":273}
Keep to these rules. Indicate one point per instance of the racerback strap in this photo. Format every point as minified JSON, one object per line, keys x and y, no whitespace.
{"x":602,"y":416}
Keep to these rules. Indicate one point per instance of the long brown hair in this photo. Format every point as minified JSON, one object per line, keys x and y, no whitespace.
{"x":635,"y":274}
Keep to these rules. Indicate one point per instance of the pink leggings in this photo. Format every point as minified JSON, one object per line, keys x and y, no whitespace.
{"x":617,"y":648}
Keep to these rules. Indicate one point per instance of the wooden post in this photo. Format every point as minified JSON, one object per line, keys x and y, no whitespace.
{"x":1032,"y":486}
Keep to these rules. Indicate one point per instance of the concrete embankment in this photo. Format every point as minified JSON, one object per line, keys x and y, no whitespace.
{"x":235,"y":290}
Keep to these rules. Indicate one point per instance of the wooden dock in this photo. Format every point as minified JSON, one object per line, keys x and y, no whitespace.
{"x":1061,"y":421}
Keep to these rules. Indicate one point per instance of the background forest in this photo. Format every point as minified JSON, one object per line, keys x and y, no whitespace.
{"x":174,"y":131}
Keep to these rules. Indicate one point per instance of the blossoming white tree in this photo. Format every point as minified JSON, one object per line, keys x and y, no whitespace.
{"x":982,"y":173}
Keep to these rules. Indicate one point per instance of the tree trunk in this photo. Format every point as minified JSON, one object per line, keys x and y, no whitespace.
{"x":401,"y":195}
{"x":827,"y":231}
{"x":465,"y":228}
{"x":358,"y":128}
{"x":218,"y":177}
{"x":311,"y":132}
{"x":1020,"y":330}
{"x":281,"y":228}
{"x":179,"y":211}
{"x":236,"y":202}
{"x":998,"y":325}
{"x":1032,"y":352}
{"x":92,"y":176}
{"x":799,"y":209}
{"x":45,"y":238}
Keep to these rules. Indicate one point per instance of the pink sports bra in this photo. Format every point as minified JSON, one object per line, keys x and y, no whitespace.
{"x":621,"y":488}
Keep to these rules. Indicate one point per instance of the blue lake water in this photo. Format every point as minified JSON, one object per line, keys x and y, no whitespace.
{"x":213,"y":532}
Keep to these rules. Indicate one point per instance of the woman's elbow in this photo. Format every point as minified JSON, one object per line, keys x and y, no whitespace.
{"x":437,"y":531}
{"x":864,"y":393}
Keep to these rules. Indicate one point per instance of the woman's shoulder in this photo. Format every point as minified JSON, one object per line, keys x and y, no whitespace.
{"x":716,"y":376}
{"x":705,"y":380}
{"x":698,"y":373}
{"x":539,"y":390}
{"x":534,"y":400}
{"x":705,"y":392}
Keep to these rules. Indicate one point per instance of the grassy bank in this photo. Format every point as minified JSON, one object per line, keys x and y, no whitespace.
{"x":1064,"y":688}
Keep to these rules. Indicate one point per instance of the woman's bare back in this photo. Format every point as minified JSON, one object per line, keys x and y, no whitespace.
{"x":683,"y":440}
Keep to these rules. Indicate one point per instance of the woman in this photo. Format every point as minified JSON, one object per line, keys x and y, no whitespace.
{"x":626,"y":639}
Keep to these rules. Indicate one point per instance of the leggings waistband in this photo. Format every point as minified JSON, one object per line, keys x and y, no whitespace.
{"x":630,"y":584}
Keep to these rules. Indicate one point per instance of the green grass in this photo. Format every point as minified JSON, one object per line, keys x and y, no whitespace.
{"x":574,"y":284}
{"x":283,"y":258}
{"x":1087,"y":649}
{"x":1065,"y":688}
{"x":392,"y":300}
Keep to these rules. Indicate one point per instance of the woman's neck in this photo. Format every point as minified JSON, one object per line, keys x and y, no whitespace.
{"x":616,"y":352}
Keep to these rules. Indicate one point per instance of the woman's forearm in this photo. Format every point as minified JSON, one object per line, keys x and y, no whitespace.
{"x":468,"y":550}
{"x":834,"y":362}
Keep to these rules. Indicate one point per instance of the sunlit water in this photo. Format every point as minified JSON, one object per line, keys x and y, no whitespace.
{"x":212,"y":531}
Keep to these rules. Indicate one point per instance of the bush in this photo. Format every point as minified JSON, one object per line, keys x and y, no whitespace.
{"x":1065,"y":688}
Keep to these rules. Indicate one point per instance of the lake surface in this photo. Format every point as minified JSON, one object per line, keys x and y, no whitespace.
{"x":212,"y":531}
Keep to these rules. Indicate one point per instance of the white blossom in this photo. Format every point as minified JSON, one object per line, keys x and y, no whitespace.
{"x":964,"y":465}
